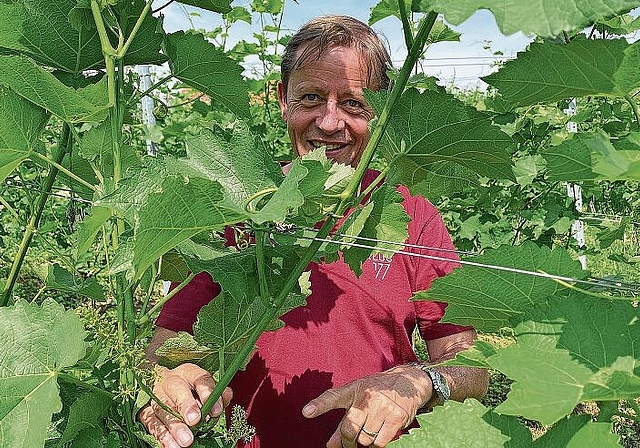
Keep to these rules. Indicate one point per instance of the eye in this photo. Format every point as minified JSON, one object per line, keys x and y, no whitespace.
{"x":311,"y":97}
{"x":354,"y":104}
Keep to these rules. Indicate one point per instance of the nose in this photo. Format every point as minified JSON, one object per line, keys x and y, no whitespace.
{"x":329,"y":120}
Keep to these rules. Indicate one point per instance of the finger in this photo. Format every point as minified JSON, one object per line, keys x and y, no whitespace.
{"x":350,"y":427}
{"x":370,"y":432}
{"x":178,"y":394}
{"x":178,"y":430}
{"x":338,"y":398}
{"x":156,"y":428}
{"x":385,"y":435}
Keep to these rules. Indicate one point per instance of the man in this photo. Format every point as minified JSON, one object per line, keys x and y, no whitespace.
{"x":342,"y":372}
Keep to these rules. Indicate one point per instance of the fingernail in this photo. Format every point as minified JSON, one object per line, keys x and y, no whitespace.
{"x":217,"y":409}
{"x":309,"y":409}
{"x":184,"y":437}
{"x":192,"y":417}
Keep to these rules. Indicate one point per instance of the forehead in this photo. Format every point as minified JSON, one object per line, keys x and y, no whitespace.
{"x":335,"y":66}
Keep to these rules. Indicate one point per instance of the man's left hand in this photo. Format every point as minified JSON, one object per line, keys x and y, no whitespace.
{"x":377,"y":406}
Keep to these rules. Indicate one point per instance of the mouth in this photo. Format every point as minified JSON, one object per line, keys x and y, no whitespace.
{"x":329,"y":147}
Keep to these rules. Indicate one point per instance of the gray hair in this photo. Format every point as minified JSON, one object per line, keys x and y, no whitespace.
{"x":326,"y":32}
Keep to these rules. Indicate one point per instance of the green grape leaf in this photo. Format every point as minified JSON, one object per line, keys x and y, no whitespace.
{"x":201,"y":65}
{"x":45,"y":33}
{"x":387,"y":8}
{"x":21,"y":123}
{"x":221,"y":6}
{"x":466,"y":418}
{"x":553,"y":72}
{"x":184,"y":348}
{"x":86,"y":413}
{"x":580,"y":347}
{"x":62,"y":280}
{"x":489,"y":299}
{"x":37,"y":342}
{"x":180,"y":211}
{"x":89,"y":228}
{"x":539,"y":17}
{"x":237,"y":160}
{"x":519,"y":435}
{"x":558,"y":377}
{"x":578,"y":431}
{"x":593,"y":157}
{"x":270,"y":6}
{"x":173,"y":267}
{"x":225,"y":324}
{"x":385,"y":220}
{"x":475,"y":356}
{"x":420,"y":135}
{"x":286,"y":199}
{"x":39,"y":86}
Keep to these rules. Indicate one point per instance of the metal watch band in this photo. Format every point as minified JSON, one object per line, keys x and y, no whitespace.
{"x":438,"y":381}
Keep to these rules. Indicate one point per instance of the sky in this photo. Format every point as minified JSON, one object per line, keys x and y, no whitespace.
{"x":460,"y":63}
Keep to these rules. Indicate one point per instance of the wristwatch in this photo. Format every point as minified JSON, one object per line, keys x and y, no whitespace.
{"x":440,"y":386}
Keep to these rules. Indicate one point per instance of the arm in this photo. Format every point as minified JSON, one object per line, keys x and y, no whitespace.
{"x":378,"y":406}
{"x":183,"y":389}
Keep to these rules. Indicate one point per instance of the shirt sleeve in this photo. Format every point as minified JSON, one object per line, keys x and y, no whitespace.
{"x":428,"y":231}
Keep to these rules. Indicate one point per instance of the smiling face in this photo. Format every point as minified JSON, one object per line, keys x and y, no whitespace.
{"x":324,"y":105}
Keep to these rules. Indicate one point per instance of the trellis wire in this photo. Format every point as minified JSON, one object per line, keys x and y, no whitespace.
{"x":592,"y":282}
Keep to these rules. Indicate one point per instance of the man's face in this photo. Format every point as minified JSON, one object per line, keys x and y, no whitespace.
{"x":325,"y":106}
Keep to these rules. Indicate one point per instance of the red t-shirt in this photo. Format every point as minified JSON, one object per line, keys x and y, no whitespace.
{"x":351,"y":327}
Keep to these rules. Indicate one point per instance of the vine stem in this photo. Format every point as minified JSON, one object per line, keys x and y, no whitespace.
{"x":147,"y":316}
{"x":62,"y":169}
{"x":64,"y":144}
{"x":245,"y":351}
{"x":414,"y":53}
{"x":149,"y":90}
{"x":12,"y":210}
{"x":122,"y":50}
{"x":634,"y":106}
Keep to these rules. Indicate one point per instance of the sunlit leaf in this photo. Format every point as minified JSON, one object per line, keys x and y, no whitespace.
{"x":40,"y":87}
{"x":21,"y":123}
{"x":37,"y":342}
{"x":578,"y":431}
{"x":490,"y":299}
{"x":539,"y":17}
{"x":441,"y":129}
{"x":466,"y":418}
{"x":182,"y":210}
{"x":552,"y":72}
{"x":206,"y":68}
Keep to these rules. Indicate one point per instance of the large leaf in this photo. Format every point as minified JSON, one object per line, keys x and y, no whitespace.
{"x":539,"y":17}
{"x":85,"y":414}
{"x":21,"y":123}
{"x":431,"y":128}
{"x":578,"y":431}
{"x":182,"y":210}
{"x":40,"y":87}
{"x":466,"y":418}
{"x":205,"y":67}
{"x":552,"y":72}
{"x":385,"y":220}
{"x":41,"y":30}
{"x":580,"y":347}
{"x":220,"y":6}
{"x":490,"y":299}
{"x":593,"y":157}
{"x":37,"y":342}
{"x":235,"y":159}
{"x":60,"y":279}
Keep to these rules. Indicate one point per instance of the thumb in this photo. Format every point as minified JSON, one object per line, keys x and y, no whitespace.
{"x":338,"y":398}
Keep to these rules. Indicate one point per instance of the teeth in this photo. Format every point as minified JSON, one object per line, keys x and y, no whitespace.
{"x":327,"y":146}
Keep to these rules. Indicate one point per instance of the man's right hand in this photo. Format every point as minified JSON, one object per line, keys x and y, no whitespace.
{"x":183,"y":389}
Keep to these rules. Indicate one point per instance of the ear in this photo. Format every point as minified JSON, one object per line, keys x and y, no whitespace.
{"x":282,"y":101}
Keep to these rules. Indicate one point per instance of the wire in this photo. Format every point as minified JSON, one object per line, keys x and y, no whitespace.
{"x":592,"y":282}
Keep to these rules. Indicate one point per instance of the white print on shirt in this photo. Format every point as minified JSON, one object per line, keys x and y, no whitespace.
{"x":381,"y":265}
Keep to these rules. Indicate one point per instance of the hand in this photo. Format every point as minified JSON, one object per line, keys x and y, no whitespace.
{"x":183,"y":389}
{"x":377,"y":406}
